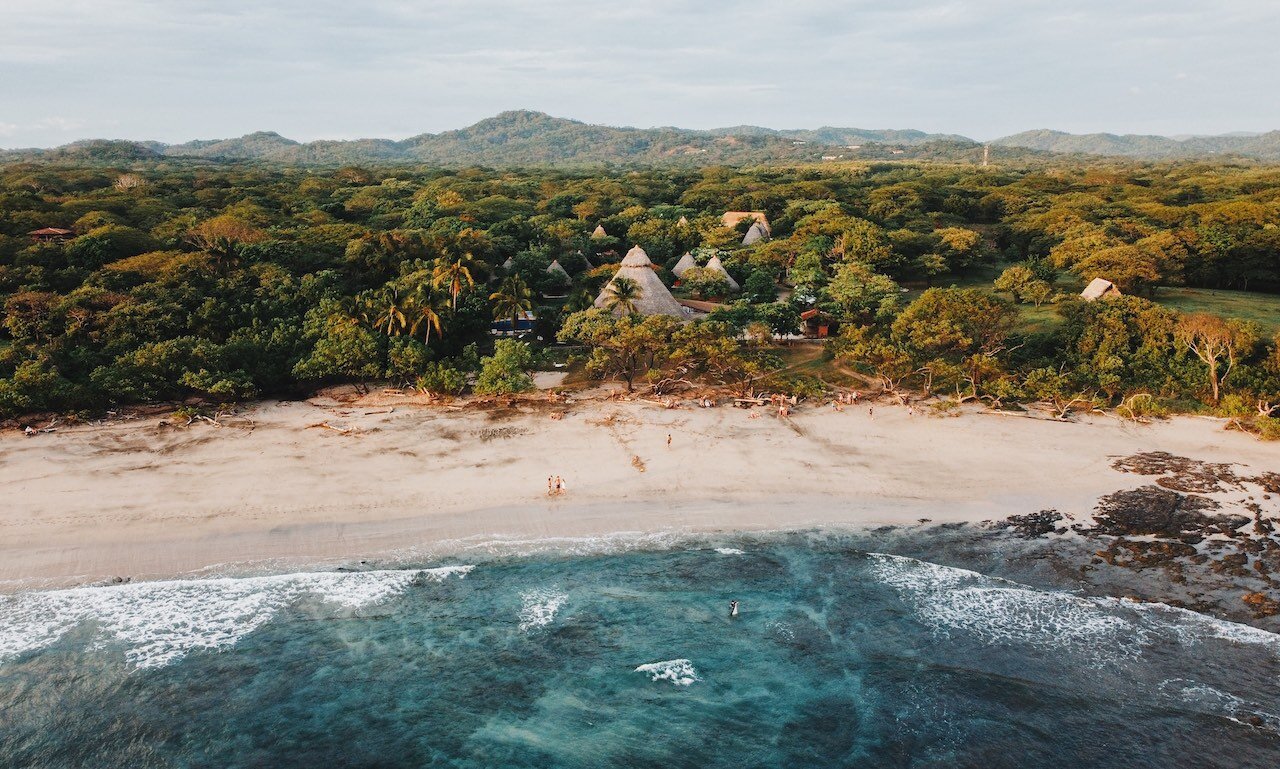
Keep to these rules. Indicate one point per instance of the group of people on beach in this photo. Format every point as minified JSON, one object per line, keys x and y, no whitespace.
{"x":555,"y":485}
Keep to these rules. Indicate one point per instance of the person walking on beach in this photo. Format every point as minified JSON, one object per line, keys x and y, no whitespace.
{"x":668,"y":440}
{"x":551,"y":486}
{"x":871,"y":412}
{"x":733,"y":608}
{"x":560,"y":488}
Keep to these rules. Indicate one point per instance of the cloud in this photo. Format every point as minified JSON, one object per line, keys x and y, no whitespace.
{"x":178,"y":69}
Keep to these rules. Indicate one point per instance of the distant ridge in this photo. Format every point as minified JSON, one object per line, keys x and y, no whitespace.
{"x":527,"y":138}
{"x":1264,"y":146}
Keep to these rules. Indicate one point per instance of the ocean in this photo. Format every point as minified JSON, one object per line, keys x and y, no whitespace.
{"x":628,"y":657}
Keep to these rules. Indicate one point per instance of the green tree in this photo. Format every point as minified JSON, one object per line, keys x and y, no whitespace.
{"x":1219,"y":344}
{"x":863,"y":294}
{"x":760,"y":288}
{"x":507,"y":370}
{"x":455,"y":276}
{"x":512,"y":299}
{"x":622,"y":295}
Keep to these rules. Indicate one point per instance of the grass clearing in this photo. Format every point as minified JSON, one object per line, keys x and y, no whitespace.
{"x":1263,"y":309}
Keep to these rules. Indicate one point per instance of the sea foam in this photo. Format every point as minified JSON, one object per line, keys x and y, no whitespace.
{"x":679,"y":672}
{"x":997,"y":611}
{"x":159,"y":623}
{"x":539,"y":608}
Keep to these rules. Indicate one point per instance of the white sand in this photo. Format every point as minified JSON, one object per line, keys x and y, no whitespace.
{"x":144,"y":501}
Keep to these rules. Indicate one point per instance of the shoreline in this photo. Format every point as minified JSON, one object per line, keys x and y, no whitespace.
{"x":141,"y":500}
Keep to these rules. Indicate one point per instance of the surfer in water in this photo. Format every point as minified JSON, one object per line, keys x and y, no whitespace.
{"x":733,"y":608}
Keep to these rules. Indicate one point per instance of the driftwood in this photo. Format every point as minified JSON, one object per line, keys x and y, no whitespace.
{"x":327,"y":426}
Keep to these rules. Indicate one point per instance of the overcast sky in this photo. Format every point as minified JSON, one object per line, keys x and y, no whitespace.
{"x":176,"y":70}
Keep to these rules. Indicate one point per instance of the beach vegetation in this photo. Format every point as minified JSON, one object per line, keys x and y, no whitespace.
{"x":507,"y":370}
{"x":188,"y":278}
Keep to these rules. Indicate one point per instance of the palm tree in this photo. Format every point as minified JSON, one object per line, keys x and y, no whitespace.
{"x":455,"y":275}
{"x":623,"y":294}
{"x":389,"y":309}
{"x":512,"y":298}
{"x":425,"y":311}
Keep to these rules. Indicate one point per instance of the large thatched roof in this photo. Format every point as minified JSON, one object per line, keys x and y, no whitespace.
{"x":654,"y":297}
{"x":715,"y":265}
{"x":1099,"y":288}
{"x":685,"y":263}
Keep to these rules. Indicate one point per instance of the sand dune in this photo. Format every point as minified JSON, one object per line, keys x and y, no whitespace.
{"x":139,"y":499}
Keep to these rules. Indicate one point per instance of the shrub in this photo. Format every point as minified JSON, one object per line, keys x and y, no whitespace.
{"x":507,"y":370}
{"x":442,"y":377}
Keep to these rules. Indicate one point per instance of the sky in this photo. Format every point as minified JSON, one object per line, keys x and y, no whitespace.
{"x":175,"y":70}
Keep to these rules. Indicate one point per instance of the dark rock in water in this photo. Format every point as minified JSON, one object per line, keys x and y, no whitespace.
{"x":1261,"y":605}
{"x":1151,"y":510}
{"x":1034,"y":525}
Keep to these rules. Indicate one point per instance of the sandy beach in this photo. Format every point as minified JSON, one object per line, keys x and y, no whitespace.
{"x":142,"y":499}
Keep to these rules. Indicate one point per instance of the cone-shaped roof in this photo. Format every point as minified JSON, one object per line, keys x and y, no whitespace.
{"x":509,"y":264}
{"x":654,"y":297}
{"x":556,"y":269}
{"x":684,"y":222}
{"x":754,"y":234}
{"x":685,"y":263}
{"x":599,"y":232}
{"x":715,"y":265}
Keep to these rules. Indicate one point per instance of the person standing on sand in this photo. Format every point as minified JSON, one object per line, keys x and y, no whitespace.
{"x":871,"y":412}
{"x":560,"y":487}
{"x":550,"y":486}
{"x":668,"y":440}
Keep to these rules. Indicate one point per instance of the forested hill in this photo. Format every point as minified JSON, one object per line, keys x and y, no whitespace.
{"x":1255,"y":146}
{"x":524,"y":138}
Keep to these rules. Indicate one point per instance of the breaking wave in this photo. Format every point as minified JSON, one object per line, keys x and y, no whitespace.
{"x":161,"y":622}
{"x":679,"y":672}
{"x":539,"y":608}
{"x":995,"y":611}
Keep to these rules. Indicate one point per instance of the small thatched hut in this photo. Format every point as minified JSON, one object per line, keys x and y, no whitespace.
{"x":558,"y":271}
{"x":715,"y":265}
{"x":599,"y":232}
{"x":654,"y":297}
{"x":1099,"y":288}
{"x":685,"y":263}
{"x":755,"y":234}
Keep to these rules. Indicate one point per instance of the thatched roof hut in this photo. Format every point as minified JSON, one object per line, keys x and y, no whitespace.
{"x":715,"y":265}
{"x":556,"y":269}
{"x":685,"y":263}
{"x":654,"y":297}
{"x":599,"y":232}
{"x":1099,"y":288}
{"x":756,"y":233}
{"x":731,"y":219}
{"x":508,"y":265}
{"x":684,"y":222}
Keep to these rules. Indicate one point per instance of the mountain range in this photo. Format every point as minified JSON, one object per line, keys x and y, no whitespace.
{"x":524,"y":137}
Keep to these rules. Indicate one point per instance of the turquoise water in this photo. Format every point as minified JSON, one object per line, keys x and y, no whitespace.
{"x":630,"y":659}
